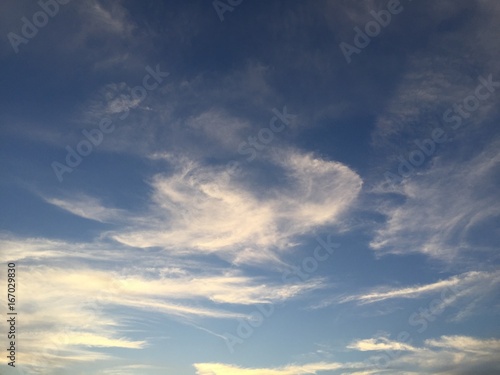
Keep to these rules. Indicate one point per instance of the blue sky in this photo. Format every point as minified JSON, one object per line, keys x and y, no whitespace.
{"x":251,"y":188}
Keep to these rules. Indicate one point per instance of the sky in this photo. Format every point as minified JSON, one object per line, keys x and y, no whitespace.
{"x":239,"y":187}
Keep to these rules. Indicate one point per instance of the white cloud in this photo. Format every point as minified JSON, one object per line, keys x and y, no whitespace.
{"x":466,"y":344}
{"x":380,"y":344}
{"x":196,"y":209}
{"x":451,"y":355}
{"x":33,"y":249}
{"x":114,"y":20}
{"x":202,"y":209}
{"x":443,"y":207}
{"x":126,"y":370}
{"x":470,"y":293}
{"x":467,"y":282}
{"x":67,"y":309}
{"x":88,"y":208}
{"x":224,"y":369}
{"x":452,"y":196}
{"x":67,"y":303}
{"x":222,"y":128}
{"x":111,"y":100}
{"x":454,"y":355}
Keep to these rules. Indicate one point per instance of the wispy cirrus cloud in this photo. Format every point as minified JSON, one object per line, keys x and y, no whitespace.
{"x":451,"y":194}
{"x":444,"y":208}
{"x":203,"y":209}
{"x":88,"y":208}
{"x":84,"y":325}
{"x":470,"y":291}
{"x":467,"y":282}
{"x":437,"y":76}
{"x":194,"y":210}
